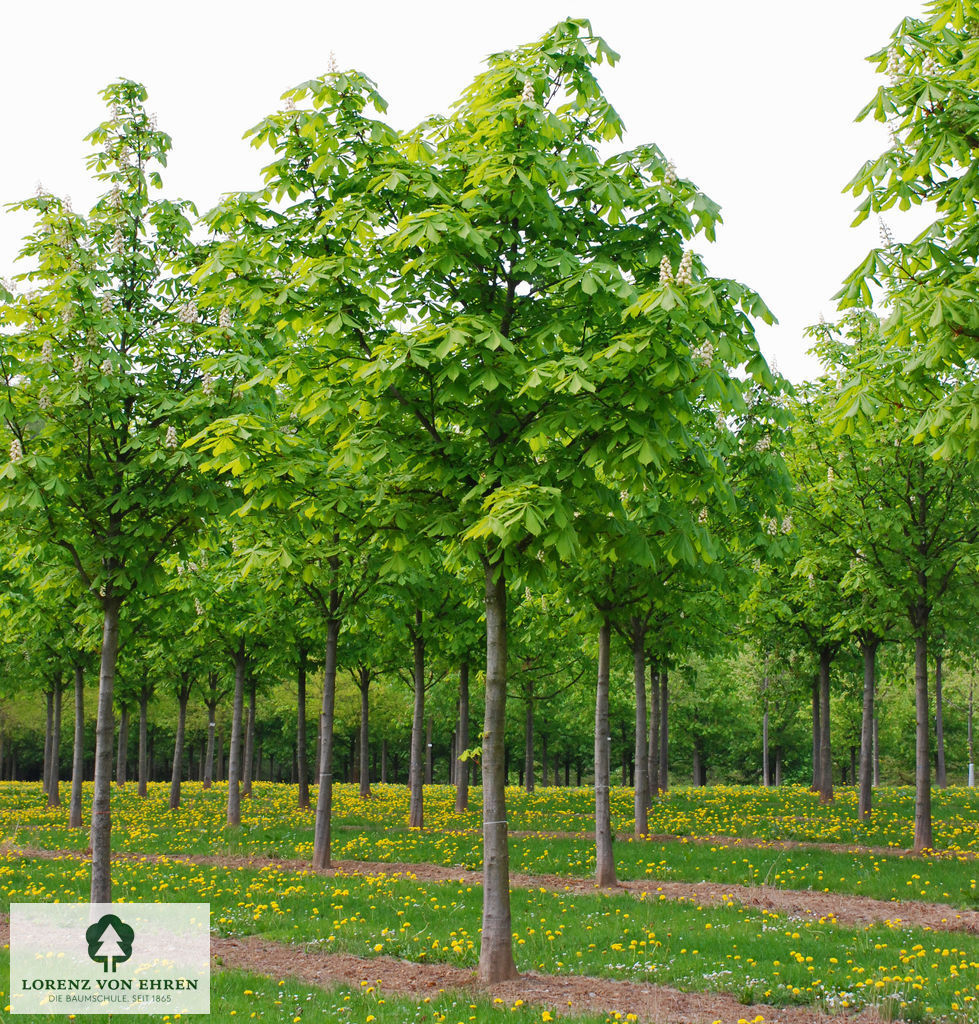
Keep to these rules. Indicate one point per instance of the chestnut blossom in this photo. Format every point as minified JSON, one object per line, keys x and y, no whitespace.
{"x":47,"y":352}
{"x":331,"y":66}
{"x":665,"y":271}
{"x":16,"y":450}
{"x":207,"y":384}
{"x":107,"y":366}
{"x":188,"y":313}
{"x":527,"y":96}
{"x":44,"y":399}
{"x":669,"y":175}
{"x":118,"y":241}
{"x":171,"y":439}
{"x":76,"y":363}
{"x":224,"y":318}
{"x":684,"y":272}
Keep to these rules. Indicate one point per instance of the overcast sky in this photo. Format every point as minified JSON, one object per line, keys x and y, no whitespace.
{"x":754,"y":100}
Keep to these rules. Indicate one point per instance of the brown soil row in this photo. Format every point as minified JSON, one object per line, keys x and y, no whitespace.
{"x":842,"y":908}
{"x":655,"y":1004}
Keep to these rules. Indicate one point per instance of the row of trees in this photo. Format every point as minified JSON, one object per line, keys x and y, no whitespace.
{"x":470,"y":387}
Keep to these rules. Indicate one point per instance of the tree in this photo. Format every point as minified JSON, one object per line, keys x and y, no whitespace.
{"x":99,"y":363}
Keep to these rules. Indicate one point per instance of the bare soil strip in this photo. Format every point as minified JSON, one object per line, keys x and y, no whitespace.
{"x":841,"y":908}
{"x":655,"y":1004}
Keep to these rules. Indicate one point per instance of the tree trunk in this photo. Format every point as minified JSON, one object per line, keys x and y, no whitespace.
{"x":972,"y":766}
{"x":778,"y":766}
{"x":302,"y":768}
{"x":922,"y":773}
{"x":365,"y":771}
{"x":77,"y":752}
{"x":940,"y":777}
{"x":54,"y":779}
{"x":641,"y":802}
{"x":416,"y":806}
{"x":664,"y":730}
{"x":428,"y":751}
{"x":48,"y":735}
{"x":249,"y":757}
{"x":652,"y":753}
{"x":766,"y":771}
{"x":101,"y":835}
{"x":543,"y":759}
{"x":183,"y":695}
{"x":496,"y":938}
{"x":212,"y":704}
{"x":462,"y":767}
{"x":234,"y":753}
{"x":876,"y":747}
{"x":816,"y":772}
{"x":384,"y":761}
{"x":604,"y":859}
{"x":868,"y":648}
{"x":528,"y":738}
{"x":825,"y":749}
{"x":122,"y":747}
{"x":324,"y":796}
{"x":142,"y":767}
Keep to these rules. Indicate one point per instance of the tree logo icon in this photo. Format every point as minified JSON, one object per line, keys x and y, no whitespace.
{"x":110,"y":942}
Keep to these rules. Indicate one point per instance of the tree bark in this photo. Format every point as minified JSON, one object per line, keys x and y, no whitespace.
{"x":528,"y":738}
{"x":604,"y":859}
{"x":302,"y":770}
{"x":54,"y":779}
{"x":212,"y":704}
{"x":428,"y":751}
{"x":652,"y":754}
{"x":641,"y":802}
{"x":664,"y":730}
{"x":101,"y":835}
{"x":48,"y":735}
{"x":766,"y":771}
{"x":923,"y":839}
{"x":462,"y":742}
{"x":122,"y":747}
{"x":825,"y":749}
{"x":868,"y":648}
{"x":324,"y":796}
{"x":364,"y":682}
{"x":816,"y":772}
{"x":234,"y":753}
{"x":496,"y":941}
{"x":77,"y":752}
{"x":142,"y":766}
{"x":183,"y":695}
{"x":416,"y":804}
{"x":248,"y":768}
{"x":940,"y":777}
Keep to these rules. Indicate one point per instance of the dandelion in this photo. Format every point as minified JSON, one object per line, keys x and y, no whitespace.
{"x":527,"y":96}
{"x":16,"y":450}
{"x":118,"y":242}
{"x":47,"y":352}
{"x":224,"y":318}
{"x":76,"y":363}
{"x":207,"y":384}
{"x":171,"y":440}
{"x":107,"y":366}
{"x":665,"y":271}
{"x":669,"y":175}
{"x":44,"y":399}
{"x":684,"y":272}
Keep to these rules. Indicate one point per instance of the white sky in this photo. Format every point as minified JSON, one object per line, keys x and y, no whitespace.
{"x":753,"y":100}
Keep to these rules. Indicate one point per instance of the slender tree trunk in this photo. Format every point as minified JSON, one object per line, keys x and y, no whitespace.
{"x":302,"y":771}
{"x":247,"y":768}
{"x":324,"y":796}
{"x":211,"y":728}
{"x":652,"y":754}
{"x":48,"y":737}
{"x":664,"y":730}
{"x":778,"y":766}
{"x":142,"y":767}
{"x":122,"y":747}
{"x":940,"y":778}
{"x":972,"y":765}
{"x":876,"y":747}
{"x":384,"y":761}
{"x":825,"y":749}
{"x":462,"y":767}
{"x":54,"y":779}
{"x":77,"y":752}
{"x":816,"y":732}
{"x":496,"y":941}
{"x":543,"y":759}
{"x":428,"y":751}
{"x":183,"y":695}
{"x":766,"y":771}
{"x":365,"y":771}
{"x":868,"y":648}
{"x":604,"y":858}
{"x":695,"y":771}
{"x":101,"y":835}
{"x":528,"y":738}
{"x":641,"y":802}
{"x":234,"y":753}
{"x":416,"y":808}
{"x":923,"y":839}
